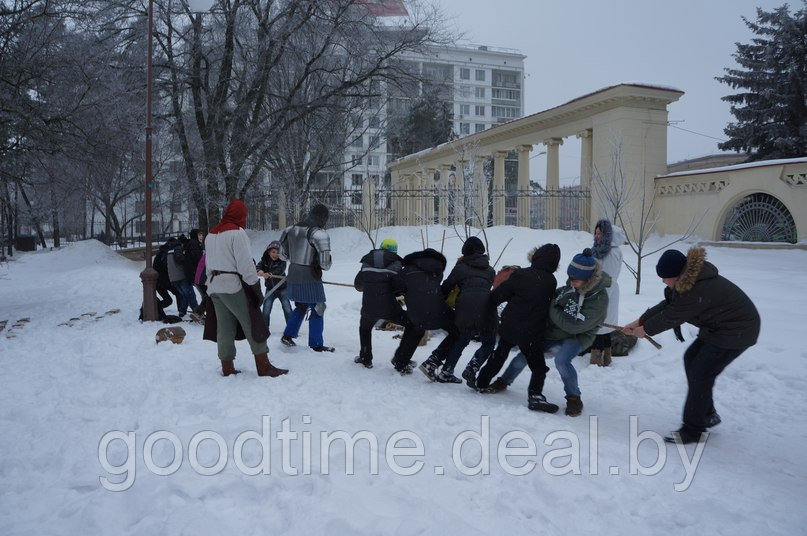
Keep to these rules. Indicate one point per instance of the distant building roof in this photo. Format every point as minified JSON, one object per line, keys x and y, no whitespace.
{"x":705,"y":162}
{"x":749,"y":165}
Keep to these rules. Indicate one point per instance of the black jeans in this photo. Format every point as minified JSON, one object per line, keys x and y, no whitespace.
{"x":412,"y":335}
{"x":532,"y":350}
{"x":366,"y":332}
{"x":703,"y":362}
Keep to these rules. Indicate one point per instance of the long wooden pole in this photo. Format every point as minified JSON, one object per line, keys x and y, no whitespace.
{"x":620,"y":328}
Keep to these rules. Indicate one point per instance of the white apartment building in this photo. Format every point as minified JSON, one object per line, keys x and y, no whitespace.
{"x":484,"y":84}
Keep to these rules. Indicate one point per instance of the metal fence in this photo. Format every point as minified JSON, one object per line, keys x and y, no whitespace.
{"x":350,"y":207}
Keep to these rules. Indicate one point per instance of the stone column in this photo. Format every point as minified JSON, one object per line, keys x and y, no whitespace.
{"x":460,"y":214}
{"x":498,"y":187}
{"x":443,"y":193}
{"x":395,"y":178}
{"x":480,"y":218}
{"x":552,"y":182}
{"x":368,"y":219}
{"x":524,"y":185}
{"x":428,"y":196}
{"x":411,"y":200}
{"x":586,"y":158}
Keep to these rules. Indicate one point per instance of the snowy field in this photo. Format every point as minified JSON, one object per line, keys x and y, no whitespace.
{"x":65,"y":390}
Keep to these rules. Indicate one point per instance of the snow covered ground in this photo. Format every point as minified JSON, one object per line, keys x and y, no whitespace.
{"x":65,"y":390}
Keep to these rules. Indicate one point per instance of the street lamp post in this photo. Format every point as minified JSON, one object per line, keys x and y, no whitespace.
{"x":149,"y":275}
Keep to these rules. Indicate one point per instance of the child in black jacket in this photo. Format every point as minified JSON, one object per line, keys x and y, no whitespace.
{"x":378,"y":302}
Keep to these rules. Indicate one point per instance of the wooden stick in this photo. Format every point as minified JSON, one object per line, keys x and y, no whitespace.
{"x":620,"y":328}
{"x":422,"y":241}
{"x":502,"y":253}
{"x":272,"y":276}
{"x":443,"y":241}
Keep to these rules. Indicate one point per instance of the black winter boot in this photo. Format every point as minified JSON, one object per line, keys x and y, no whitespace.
{"x":713,"y":419}
{"x":287,"y":341}
{"x":367,"y":361}
{"x":537,"y":402}
{"x":496,"y":387}
{"x":685,"y":436}
{"x":405,"y":369}
{"x":446,"y":376}
{"x":429,"y":366}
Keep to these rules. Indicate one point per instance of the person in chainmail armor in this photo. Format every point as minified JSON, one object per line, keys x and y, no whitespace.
{"x":307,"y":248}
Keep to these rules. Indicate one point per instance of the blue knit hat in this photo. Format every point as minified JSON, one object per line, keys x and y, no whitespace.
{"x":671,"y":264}
{"x":582,"y":265}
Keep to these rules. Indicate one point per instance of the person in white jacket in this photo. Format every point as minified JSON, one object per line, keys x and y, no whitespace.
{"x":607,"y":239}
{"x":228,"y":263}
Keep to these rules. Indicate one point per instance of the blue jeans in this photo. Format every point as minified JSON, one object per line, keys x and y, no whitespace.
{"x":316,"y":324}
{"x":269,"y":300}
{"x":567,"y":350}
{"x":188,"y":296}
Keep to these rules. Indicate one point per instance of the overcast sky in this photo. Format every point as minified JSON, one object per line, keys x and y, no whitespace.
{"x":574,"y":47}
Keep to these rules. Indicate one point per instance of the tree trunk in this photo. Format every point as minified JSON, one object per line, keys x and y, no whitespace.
{"x":56,"y":231}
{"x":639,"y":272}
{"x":107,"y":223}
{"x":34,"y":219}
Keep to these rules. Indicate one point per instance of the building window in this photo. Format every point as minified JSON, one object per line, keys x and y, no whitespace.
{"x":480,"y":75}
{"x":479,"y":110}
{"x":465,"y":74}
{"x":373,"y":160}
{"x":507,"y":112}
{"x":356,"y":179}
{"x":375,"y":122}
{"x":375,"y":141}
{"x":506,"y":94}
{"x":465,"y":128}
{"x":358,"y":142}
{"x":355,"y":160}
{"x":465,"y":109}
{"x":479,"y":92}
{"x":479,"y":127}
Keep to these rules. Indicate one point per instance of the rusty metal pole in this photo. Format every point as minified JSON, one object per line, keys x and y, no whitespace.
{"x":149,"y":275}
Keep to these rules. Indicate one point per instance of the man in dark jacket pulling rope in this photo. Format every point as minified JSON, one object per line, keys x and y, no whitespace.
{"x":729,"y":324}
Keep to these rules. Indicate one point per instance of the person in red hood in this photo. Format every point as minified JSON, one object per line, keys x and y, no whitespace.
{"x":235,"y":293}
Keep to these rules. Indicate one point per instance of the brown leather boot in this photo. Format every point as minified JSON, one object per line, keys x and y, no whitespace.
{"x":228,"y":367}
{"x":596,"y":358}
{"x":606,"y":357}
{"x":265,"y":368}
{"x":574,"y":406}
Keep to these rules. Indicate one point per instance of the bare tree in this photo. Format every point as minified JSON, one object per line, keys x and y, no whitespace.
{"x":238,"y":81}
{"x":637,"y":232}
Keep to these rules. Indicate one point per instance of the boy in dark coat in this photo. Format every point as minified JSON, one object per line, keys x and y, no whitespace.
{"x":528,"y":293}
{"x":164,"y":285}
{"x":729,"y":324}
{"x":426,"y":308}
{"x":272,"y":268}
{"x":474,"y":313}
{"x":193,"y":250}
{"x":577,"y":310}
{"x":378,"y":302}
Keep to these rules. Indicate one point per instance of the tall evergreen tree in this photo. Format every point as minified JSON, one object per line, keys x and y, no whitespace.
{"x":426,"y":123}
{"x":771,"y":109}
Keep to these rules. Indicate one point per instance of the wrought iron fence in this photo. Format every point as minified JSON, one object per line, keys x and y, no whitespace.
{"x":349,"y":208}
